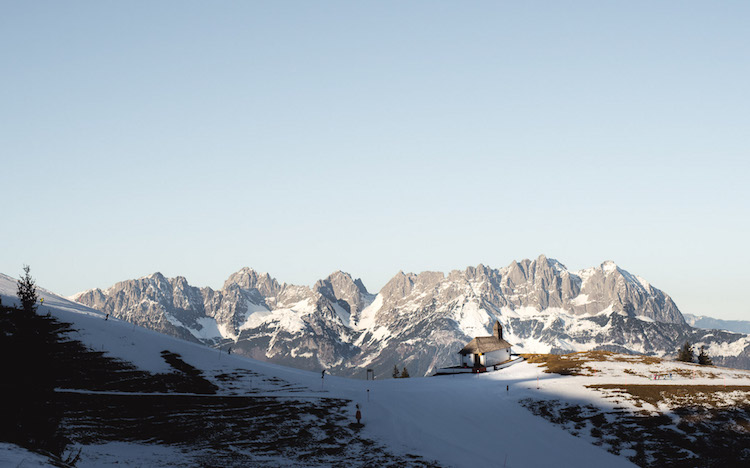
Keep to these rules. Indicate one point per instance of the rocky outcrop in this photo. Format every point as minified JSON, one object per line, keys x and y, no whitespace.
{"x":350,"y":294}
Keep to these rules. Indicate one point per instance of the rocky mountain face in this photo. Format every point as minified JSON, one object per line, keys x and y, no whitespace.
{"x":420,"y":321}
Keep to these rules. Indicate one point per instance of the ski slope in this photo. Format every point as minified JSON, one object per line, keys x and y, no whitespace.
{"x":461,"y":420}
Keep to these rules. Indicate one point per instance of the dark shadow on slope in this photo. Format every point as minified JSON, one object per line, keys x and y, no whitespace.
{"x":230,"y":431}
{"x":214,"y":430}
{"x":29,"y":414}
{"x":39,"y":356}
{"x":702,"y":437}
{"x":190,"y":375}
{"x":67,"y":363}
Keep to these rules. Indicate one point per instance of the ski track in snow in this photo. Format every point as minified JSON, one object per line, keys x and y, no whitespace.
{"x":458,"y":420}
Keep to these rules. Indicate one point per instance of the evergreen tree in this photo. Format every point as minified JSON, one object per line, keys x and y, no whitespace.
{"x":31,"y":415}
{"x":27,"y":291}
{"x":703,"y":358}
{"x":686,"y":353}
{"x":395,"y":372}
{"x":405,"y":374}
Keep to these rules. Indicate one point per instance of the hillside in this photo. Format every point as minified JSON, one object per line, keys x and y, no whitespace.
{"x":593,"y":403}
{"x":655,"y":412}
{"x":415,"y":422}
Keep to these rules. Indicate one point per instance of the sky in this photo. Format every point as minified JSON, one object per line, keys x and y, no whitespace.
{"x":300,"y":138}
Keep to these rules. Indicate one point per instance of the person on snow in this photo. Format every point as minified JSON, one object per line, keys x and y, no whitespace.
{"x":358,"y":415}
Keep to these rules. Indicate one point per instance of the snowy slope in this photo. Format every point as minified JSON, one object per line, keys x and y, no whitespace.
{"x":13,"y":455}
{"x":458,"y":421}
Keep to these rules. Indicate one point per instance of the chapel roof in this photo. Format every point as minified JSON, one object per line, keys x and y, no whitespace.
{"x":484,"y":344}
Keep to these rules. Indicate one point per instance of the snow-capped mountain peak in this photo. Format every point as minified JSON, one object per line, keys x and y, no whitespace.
{"x":416,"y":319}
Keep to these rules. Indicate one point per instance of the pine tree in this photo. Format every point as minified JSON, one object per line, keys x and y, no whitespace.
{"x":703,"y":358}
{"x":686,"y":353}
{"x":395,"y":372}
{"x":27,"y":291}
{"x":405,"y":374}
{"x":31,"y":415}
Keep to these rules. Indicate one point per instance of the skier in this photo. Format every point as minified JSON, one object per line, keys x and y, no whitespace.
{"x":507,"y":389}
{"x":229,"y":350}
{"x":107,"y":317}
{"x":358,"y":415}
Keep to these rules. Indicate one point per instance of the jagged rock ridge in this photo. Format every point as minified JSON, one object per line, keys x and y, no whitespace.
{"x":416,"y":320}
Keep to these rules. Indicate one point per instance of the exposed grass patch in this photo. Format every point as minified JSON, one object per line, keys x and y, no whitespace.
{"x":573,"y":363}
{"x":581,"y":363}
{"x":682,"y":395}
{"x":697,"y":372}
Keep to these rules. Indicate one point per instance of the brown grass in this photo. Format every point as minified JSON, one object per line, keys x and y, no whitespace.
{"x":697,"y":372}
{"x":574,"y":363}
{"x":682,"y":395}
{"x":563,"y":364}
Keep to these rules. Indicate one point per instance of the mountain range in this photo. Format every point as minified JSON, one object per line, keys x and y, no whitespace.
{"x":710,"y":323}
{"x":419,"y":321}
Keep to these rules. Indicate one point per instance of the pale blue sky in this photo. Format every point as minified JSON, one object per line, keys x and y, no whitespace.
{"x":298,"y":138}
